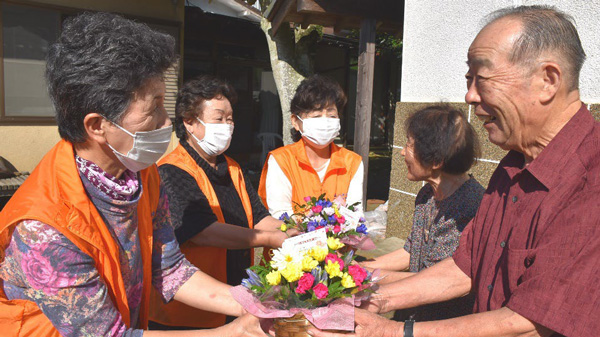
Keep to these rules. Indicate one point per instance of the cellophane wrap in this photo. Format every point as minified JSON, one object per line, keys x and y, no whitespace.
{"x":338,"y":315}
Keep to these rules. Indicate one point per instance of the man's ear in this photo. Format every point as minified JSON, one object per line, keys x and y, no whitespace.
{"x":551,"y":78}
{"x":94,"y":125}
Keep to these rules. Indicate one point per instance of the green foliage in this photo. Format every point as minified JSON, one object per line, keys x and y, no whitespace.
{"x":385,"y":43}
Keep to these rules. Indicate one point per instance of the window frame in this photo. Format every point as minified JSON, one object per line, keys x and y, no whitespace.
{"x":65,"y":12}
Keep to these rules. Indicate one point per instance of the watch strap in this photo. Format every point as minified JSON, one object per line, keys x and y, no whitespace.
{"x":408,"y":328}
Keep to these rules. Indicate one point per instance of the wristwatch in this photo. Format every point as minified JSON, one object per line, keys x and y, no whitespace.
{"x":408,"y":327}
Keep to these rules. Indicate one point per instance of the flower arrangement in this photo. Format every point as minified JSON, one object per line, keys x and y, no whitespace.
{"x":345,"y":222}
{"x":312,"y":273}
{"x":308,"y":278}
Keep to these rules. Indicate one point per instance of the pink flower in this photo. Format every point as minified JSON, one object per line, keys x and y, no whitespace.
{"x":340,"y":200}
{"x":307,"y":199}
{"x":317,"y":209}
{"x":337,"y":229}
{"x":334,"y":258}
{"x":305,"y":283}
{"x":340,"y":219}
{"x":321,"y":291}
{"x":357,"y":273}
{"x":41,"y":273}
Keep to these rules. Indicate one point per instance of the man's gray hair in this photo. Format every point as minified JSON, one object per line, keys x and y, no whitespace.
{"x":545,"y":28}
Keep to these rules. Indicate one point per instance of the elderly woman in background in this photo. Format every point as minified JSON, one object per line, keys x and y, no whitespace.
{"x":217,"y":215}
{"x":441,"y":148}
{"x":313,"y":165}
{"x":87,"y":235}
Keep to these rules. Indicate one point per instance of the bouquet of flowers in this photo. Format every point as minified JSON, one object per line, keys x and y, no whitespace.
{"x":339,"y":220}
{"x":312,"y":274}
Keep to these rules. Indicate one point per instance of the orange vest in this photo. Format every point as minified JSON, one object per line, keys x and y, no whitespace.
{"x":211,"y":260}
{"x":305,"y":182}
{"x":54,"y":194}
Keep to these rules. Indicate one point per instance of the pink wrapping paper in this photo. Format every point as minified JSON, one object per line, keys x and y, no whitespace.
{"x":360,"y":242}
{"x":338,"y":315}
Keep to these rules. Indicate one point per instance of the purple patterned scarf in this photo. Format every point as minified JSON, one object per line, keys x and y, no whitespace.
{"x":123,"y":189}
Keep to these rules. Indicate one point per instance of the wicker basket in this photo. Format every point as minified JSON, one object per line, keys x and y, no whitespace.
{"x":295,"y":326}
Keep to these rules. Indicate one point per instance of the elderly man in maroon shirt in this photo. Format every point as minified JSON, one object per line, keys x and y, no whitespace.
{"x":532,"y":253}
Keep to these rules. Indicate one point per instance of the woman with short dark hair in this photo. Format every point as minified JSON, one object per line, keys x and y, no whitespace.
{"x":88,"y":234}
{"x":217,"y":215}
{"x":441,"y":147}
{"x":313,"y":165}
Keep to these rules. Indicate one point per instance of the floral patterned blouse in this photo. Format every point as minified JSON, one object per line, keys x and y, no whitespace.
{"x":43,"y":266}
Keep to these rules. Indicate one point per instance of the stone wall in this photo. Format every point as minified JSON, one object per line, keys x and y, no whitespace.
{"x":403,"y":192}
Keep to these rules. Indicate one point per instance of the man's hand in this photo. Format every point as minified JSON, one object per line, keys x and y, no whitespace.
{"x":367,"y":324}
{"x":375,"y":304}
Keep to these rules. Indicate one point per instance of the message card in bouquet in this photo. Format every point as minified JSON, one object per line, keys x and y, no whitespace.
{"x":304,"y":242}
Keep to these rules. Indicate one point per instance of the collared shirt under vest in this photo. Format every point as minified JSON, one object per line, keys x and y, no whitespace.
{"x":305,"y":182}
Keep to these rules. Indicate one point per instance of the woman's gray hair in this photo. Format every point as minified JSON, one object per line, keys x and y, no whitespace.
{"x":98,"y":62}
{"x":545,"y":28}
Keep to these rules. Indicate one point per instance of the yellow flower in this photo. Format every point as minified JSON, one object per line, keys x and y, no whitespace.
{"x":292,"y":272}
{"x":274,"y":278}
{"x":318,"y":253}
{"x":336,"y":210}
{"x":283,"y":227}
{"x":348,"y":281}
{"x":308,"y":263}
{"x":334,"y":243}
{"x":333,"y":269}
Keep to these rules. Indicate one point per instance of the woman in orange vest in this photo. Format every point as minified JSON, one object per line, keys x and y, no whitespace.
{"x":217,"y":214}
{"x":88,"y":234}
{"x":313,"y":165}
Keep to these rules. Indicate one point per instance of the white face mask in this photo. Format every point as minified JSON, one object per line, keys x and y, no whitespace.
{"x":320,"y":130}
{"x":148,"y":147}
{"x":217,"y":137}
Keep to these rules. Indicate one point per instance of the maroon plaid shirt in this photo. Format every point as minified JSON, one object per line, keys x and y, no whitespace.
{"x":534,"y":245}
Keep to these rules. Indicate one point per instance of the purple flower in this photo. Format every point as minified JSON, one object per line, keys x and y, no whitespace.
{"x":362,"y":229}
{"x":284,"y":216}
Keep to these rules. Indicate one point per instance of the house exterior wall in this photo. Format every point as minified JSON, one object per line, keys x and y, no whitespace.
{"x":437,"y":35}
{"x":23,"y":142}
{"x":156,"y":9}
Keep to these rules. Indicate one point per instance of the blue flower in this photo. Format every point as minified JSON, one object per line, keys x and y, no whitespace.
{"x":246,"y":283}
{"x":254,"y":279}
{"x":284,"y":216}
{"x":362,"y":229}
{"x":310,"y":227}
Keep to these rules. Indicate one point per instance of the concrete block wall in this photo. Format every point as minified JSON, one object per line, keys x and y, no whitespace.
{"x":402,"y":191}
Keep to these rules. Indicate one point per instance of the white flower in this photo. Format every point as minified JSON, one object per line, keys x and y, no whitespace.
{"x":283,"y":256}
{"x":329,"y":211}
{"x":317,"y":218}
{"x":352,"y":219}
